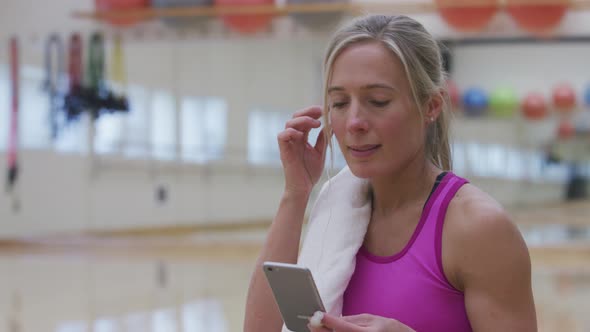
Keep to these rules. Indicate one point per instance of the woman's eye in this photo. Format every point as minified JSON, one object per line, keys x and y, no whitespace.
{"x":379,"y":103}
{"x":338,"y":105}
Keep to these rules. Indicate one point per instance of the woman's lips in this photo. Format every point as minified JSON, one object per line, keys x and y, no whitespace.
{"x":363,"y":151}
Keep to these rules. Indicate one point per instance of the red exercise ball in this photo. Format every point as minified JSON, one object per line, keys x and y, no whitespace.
{"x":467,"y":18}
{"x":534,"y":106}
{"x":536,"y":18}
{"x":454,"y":94}
{"x":108,"y":5}
{"x":564,"y":98}
{"x":566,"y":129}
{"x":246,"y":24}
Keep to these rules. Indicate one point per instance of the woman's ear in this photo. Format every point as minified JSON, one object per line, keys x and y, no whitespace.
{"x":434,"y":107}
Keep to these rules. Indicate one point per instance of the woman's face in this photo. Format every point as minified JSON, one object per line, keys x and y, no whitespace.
{"x":372,"y":113}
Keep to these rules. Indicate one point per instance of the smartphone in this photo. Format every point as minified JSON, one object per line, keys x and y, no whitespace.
{"x":295,"y":293}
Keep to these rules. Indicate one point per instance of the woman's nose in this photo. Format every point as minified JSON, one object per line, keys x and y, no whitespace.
{"x":356,"y":121}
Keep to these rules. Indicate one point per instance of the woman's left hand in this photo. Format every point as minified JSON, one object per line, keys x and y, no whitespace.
{"x":360,"y":323}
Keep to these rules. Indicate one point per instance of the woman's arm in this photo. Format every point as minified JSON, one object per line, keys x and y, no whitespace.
{"x":282,"y":245}
{"x":302,"y":165}
{"x":493,"y":268}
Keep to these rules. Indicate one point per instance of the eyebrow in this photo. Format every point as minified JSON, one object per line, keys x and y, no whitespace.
{"x":364,"y":87}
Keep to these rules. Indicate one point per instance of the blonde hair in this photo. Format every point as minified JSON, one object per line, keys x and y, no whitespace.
{"x":422,"y":60}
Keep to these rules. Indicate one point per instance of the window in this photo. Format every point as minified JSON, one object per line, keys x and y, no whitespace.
{"x":35,"y":116}
{"x":263,"y":128}
{"x":164,"y":320}
{"x":458,"y":158}
{"x":154,"y":127}
{"x":532,"y":164}
{"x":137,"y":322}
{"x":34,"y":125}
{"x":108,"y":137}
{"x":263,"y":148}
{"x":203,"y":128}
{"x":105,"y":325}
{"x":73,"y":136}
{"x":514,"y":167}
{"x":497,"y":161}
{"x":163,"y":126}
{"x":557,"y":172}
{"x":137,"y":123}
{"x":494,"y":160}
{"x":204,"y":315}
{"x":5,"y":107}
{"x":193,"y":317}
{"x":73,"y":326}
{"x":474,"y":158}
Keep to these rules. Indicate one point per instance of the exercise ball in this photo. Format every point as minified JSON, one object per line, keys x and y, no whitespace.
{"x":566,"y":129}
{"x":564,"y":98}
{"x":534,"y":106}
{"x":454,"y":94}
{"x":183,"y":21}
{"x":109,"y":5}
{"x":246,"y":24}
{"x":536,"y":18}
{"x":466,"y":18}
{"x":503,"y":102}
{"x":475,"y":102}
{"x":318,"y":21}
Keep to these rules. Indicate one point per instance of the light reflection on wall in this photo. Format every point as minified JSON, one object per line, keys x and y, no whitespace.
{"x":555,"y":234}
{"x":194,"y":316}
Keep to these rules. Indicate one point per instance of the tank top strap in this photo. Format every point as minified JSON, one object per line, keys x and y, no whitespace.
{"x":454,"y":183}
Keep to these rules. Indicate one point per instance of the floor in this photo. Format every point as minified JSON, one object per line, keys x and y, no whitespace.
{"x":197,"y":280}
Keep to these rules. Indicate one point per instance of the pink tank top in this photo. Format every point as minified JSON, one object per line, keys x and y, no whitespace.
{"x":411,"y":286}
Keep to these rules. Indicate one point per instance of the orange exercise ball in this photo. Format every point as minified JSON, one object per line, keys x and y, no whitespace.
{"x":109,"y":5}
{"x":467,"y":18}
{"x":564,"y":98}
{"x":566,"y":129}
{"x":536,"y":18}
{"x":183,"y":22}
{"x":318,"y":21}
{"x":534,"y":106}
{"x":246,"y":24}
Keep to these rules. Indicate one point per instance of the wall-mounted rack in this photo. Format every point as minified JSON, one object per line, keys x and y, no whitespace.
{"x":355,"y":8}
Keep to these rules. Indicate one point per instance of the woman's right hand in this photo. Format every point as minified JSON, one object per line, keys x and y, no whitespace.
{"x":302,"y":163}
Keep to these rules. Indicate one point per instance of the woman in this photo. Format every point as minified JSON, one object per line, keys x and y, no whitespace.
{"x":456,"y":265}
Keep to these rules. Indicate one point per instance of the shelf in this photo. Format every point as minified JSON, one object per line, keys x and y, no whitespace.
{"x":199,"y":11}
{"x":356,"y":8}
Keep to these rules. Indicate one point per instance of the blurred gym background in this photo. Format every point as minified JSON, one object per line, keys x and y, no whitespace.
{"x":140,"y":163}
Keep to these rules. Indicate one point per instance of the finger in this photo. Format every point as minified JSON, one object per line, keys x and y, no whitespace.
{"x":340,"y":325}
{"x":321,"y":143}
{"x":317,"y":329}
{"x":303,"y":123}
{"x":290,"y":135}
{"x":361,"y":320}
{"x":312,"y":111}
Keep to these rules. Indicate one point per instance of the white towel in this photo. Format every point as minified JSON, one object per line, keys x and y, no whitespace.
{"x":335,"y":232}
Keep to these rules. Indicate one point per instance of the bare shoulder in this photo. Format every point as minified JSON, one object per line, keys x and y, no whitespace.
{"x":479,"y":235}
{"x":472,"y":211}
